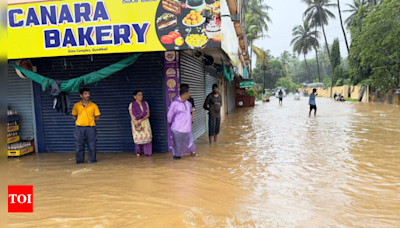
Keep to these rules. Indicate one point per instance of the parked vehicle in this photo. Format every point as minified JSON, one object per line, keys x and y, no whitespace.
{"x":265,"y":98}
{"x":272,"y":92}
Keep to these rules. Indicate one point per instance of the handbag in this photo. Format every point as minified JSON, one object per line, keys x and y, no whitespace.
{"x":139,"y":127}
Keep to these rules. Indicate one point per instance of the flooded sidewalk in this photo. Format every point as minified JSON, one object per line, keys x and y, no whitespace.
{"x":272,"y":167}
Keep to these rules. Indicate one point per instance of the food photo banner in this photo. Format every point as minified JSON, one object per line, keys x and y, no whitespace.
{"x":61,"y":28}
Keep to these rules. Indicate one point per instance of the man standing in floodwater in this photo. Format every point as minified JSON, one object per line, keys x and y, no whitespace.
{"x":311,"y":102}
{"x":213,"y":104}
{"x":85,"y":113}
{"x":280,"y":95}
{"x":180,"y":118}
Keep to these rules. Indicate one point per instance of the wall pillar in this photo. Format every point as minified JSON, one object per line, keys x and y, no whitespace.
{"x":345,"y":91}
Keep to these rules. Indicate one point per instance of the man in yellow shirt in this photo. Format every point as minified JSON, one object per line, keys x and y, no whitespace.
{"x":85,"y":113}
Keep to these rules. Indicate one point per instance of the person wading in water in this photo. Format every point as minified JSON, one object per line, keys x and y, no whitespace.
{"x":311,"y":102}
{"x":85,"y":113}
{"x":213,"y":104}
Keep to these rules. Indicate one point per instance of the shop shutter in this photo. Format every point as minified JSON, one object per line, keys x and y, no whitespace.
{"x":113,"y":95}
{"x":20,"y":98}
{"x":192,"y":73}
{"x":211,"y":78}
{"x":231,"y":96}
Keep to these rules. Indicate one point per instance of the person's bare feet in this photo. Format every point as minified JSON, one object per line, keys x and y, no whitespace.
{"x":194,"y":154}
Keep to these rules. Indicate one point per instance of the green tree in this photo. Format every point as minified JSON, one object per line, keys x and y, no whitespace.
{"x":354,"y":8}
{"x":271,"y":75}
{"x":287,"y":83}
{"x":335,"y":61}
{"x":376,"y":43}
{"x":335,"y":54}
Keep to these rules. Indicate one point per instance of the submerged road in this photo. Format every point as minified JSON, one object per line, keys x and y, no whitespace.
{"x":272,"y":167}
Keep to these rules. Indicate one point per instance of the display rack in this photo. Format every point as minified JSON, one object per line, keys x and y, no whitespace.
{"x":16,"y":147}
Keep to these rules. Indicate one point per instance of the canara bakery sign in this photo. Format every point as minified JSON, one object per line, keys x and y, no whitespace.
{"x":70,"y":27}
{"x":80,"y":36}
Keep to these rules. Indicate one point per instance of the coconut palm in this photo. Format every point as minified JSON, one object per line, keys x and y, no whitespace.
{"x":318,"y":15}
{"x":262,"y":58}
{"x":305,"y":39}
{"x":253,"y":32}
{"x":260,"y":9}
{"x":286,"y":60}
{"x":354,"y":8}
{"x":341,"y":24}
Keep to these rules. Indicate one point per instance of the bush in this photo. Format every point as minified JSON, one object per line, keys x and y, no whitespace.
{"x":251,"y":92}
{"x":349,"y":99}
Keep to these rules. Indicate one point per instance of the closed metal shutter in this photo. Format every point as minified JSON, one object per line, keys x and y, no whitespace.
{"x":113,"y":95}
{"x":20,"y":98}
{"x":211,"y":78}
{"x":192,"y":73}
{"x":231,"y":96}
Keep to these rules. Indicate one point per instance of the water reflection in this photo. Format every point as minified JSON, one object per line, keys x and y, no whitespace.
{"x":273,"y":167}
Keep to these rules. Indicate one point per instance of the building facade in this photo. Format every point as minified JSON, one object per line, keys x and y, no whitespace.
{"x":73,"y":38}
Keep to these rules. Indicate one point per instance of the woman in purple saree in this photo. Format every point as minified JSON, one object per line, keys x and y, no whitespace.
{"x":141,"y":129}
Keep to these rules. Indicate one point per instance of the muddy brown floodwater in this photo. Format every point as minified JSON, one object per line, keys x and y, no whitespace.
{"x":273,"y":167}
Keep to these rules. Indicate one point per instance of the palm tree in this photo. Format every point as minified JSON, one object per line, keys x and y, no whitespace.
{"x":253,"y":32}
{"x":262,"y":58}
{"x":259,"y":9}
{"x":304,"y":41}
{"x":286,"y":60}
{"x":341,"y":24}
{"x":354,"y":8}
{"x":318,"y":15}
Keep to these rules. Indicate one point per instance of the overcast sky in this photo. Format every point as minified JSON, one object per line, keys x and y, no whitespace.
{"x":288,"y":13}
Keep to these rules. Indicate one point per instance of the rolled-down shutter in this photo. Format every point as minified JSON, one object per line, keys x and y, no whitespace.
{"x":20,"y":98}
{"x":192,"y":73}
{"x":113,"y":95}
{"x":211,"y":78}
{"x":231,"y":96}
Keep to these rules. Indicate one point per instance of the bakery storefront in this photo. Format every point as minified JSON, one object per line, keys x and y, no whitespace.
{"x":133,"y":45}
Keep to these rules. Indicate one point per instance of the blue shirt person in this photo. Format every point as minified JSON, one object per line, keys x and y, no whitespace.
{"x":311,"y":102}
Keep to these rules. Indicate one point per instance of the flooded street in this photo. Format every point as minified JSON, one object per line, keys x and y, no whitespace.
{"x":272,"y":167}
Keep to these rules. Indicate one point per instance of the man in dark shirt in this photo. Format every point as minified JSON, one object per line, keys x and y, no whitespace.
{"x":213,"y":104}
{"x":193,"y":108}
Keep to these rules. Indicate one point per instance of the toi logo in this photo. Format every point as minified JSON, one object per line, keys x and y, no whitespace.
{"x":20,"y":198}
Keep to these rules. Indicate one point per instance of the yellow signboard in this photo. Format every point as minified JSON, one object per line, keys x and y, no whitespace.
{"x":71,"y":27}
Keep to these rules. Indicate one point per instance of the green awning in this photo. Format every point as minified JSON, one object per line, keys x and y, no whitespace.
{"x":229,"y":75}
{"x":72,"y":85}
